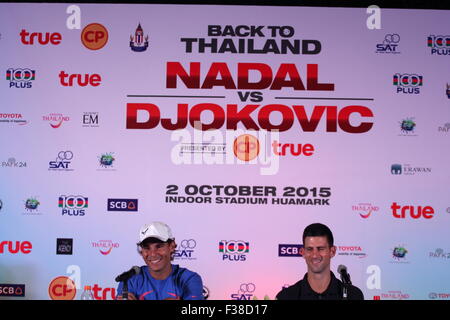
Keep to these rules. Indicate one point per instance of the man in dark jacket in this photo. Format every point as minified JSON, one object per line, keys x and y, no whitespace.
{"x":319,"y":283}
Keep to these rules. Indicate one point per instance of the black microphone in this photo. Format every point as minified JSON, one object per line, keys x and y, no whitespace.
{"x":345,"y":277}
{"x":128,"y":274}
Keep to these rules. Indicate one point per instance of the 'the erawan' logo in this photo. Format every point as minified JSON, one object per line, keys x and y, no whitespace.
{"x":139,"y":43}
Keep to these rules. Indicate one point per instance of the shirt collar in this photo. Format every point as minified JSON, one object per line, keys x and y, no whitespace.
{"x":332,"y":289}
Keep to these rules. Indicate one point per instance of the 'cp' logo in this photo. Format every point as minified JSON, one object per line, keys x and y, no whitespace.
{"x":62,"y":288}
{"x":94,"y":36}
{"x":188,"y":244}
{"x":246,"y":147}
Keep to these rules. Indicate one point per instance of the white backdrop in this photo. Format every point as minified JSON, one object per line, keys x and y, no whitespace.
{"x":68,"y":149}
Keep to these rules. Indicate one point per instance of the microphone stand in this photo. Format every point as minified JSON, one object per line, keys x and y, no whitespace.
{"x":125,"y":290}
{"x":346,"y":282}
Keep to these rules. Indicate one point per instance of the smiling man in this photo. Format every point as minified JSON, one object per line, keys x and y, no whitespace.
{"x":159,"y":279}
{"x":319,"y":283}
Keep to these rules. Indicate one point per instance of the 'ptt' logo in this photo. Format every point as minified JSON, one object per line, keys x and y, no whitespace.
{"x":20,"y":78}
{"x":245,"y":292}
{"x":439,"y":45}
{"x":94,"y":36}
{"x":234,"y":250}
{"x":408,"y":83}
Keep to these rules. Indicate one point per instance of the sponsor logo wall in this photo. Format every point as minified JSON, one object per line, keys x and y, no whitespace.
{"x":238,"y":133}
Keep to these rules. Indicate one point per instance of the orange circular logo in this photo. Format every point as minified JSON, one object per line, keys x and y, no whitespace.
{"x":62,"y":288}
{"x":246,"y":147}
{"x":94,"y":36}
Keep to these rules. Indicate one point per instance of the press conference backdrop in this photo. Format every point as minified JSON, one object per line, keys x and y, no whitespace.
{"x":236,"y":125}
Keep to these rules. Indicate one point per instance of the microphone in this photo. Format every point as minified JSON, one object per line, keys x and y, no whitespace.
{"x":128,"y":274}
{"x":345,"y":277}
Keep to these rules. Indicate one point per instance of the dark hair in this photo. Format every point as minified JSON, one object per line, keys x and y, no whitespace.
{"x":149,"y":240}
{"x":318,"y":230}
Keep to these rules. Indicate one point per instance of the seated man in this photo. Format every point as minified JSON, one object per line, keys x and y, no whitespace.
{"x":319,"y":283}
{"x":159,"y":279}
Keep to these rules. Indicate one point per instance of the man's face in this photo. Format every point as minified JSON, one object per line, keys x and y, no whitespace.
{"x":317,"y":253}
{"x":157,"y":256}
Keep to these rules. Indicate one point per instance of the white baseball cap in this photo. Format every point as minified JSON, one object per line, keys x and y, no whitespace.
{"x":155,"y":229}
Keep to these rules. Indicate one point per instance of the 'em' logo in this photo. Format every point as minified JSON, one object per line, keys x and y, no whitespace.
{"x":94,"y":36}
{"x":62,"y":288}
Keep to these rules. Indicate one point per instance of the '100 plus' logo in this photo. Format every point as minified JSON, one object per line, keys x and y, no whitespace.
{"x":408,"y":83}
{"x":20,"y":78}
{"x":73,"y":205}
{"x":439,"y":45}
{"x":234,"y":250}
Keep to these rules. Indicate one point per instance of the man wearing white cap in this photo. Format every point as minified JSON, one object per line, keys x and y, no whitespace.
{"x":160,"y":279}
